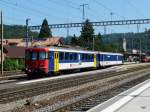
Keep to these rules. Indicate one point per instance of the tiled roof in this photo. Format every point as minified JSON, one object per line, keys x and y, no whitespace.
{"x":51,"y":41}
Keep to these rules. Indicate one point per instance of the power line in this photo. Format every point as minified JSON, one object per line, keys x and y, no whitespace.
{"x":31,"y":10}
{"x":135,"y":8}
{"x":108,"y":9}
{"x":71,"y":6}
{"x":58,"y":3}
{"x":90,"y":9}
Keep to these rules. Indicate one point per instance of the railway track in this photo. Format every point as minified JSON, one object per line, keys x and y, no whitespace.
{"x":12,"y":75}
{"x":90,"y":102}
{"x":27,"y":91}
{"x":77,"y":98}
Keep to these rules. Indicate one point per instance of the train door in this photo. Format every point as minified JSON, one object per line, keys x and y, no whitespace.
{"x":94,"y":60}
{"x":51,"y":61}
{"x":56,"y":62}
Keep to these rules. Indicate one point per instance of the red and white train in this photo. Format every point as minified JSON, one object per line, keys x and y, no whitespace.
{"x":50,"y":60}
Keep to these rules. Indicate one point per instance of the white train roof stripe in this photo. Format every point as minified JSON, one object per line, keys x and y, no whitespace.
{"x":80,"y":51}
{"x":72,"y":50}
{"x":110,"y":53}
{"x":77,"y":50}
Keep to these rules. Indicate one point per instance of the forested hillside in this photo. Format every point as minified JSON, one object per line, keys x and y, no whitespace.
{"x":115,"y":40}
{"x":16,"y":31}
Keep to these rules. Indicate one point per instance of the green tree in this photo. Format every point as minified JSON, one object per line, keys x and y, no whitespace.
{"x":74,"y":40}
{"x":98,"y":44}
{"x":45,"y":30}
{"x":87,"y":33}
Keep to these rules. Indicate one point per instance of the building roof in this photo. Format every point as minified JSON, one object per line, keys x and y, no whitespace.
{"x":51,"y":41}
{"x":14,"y":51}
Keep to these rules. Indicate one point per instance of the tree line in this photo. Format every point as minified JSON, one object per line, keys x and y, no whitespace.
{"x":110,"y":42}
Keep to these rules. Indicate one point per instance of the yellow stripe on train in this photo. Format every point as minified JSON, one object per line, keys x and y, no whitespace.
{"x":94,"y":60}
{"x":56,"y":62}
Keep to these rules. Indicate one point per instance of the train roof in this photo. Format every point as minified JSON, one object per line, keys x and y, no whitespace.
{"x":63,"y":49}
{"x":71,"y":50}
{"x":110,"y":53}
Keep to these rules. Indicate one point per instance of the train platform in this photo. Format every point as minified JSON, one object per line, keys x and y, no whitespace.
{"x":136,"y":99}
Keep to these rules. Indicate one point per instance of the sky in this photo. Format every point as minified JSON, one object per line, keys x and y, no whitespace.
{"x":69,"y":11}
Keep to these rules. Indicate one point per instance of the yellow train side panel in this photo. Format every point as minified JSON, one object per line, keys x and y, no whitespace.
{"x":94,"y":60}
{"x":56,"y":62}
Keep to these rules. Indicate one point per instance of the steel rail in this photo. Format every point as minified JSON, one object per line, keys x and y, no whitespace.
{"x":41,"y":88}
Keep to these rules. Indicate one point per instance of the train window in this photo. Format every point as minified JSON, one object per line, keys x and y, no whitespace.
{"x":61,"y":55}
{"x":82,"y":56}
{"x":47,"y":55}
{"x":86,"y":56}
{"x":42,"y":55}
{"x":70,"y":56}
{"x":92,"y":55}
{"x":89,"y":55}
{"x":50,"y":55}
{"x":28,"y":55}
{"x":34,"y":56}
{"x":66,"y":56}
{"x":75,"y":56}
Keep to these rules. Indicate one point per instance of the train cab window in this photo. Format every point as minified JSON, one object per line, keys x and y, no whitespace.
{"x":34,"y":56}
{"x":71,"y":56}
{"x":61,"y":55}
{"x":27,"y":55}
{"x":66,"y":56}
{"x":43,"y":55}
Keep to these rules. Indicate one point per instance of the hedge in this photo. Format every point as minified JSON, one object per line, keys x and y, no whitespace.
{"x":13,"y":64}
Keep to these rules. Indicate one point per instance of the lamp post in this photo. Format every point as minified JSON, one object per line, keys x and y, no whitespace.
{"x":1,"y":43}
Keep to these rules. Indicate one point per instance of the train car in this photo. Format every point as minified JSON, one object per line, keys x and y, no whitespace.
{"x":109,"y":59}
{"x":52,"y":60}
{"x":36,"y":60}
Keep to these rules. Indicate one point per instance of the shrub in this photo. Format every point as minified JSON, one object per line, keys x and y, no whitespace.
{"x":12,"y":64}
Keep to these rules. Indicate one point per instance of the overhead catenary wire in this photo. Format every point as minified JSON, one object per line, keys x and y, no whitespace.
{"x":108,"y":9}
{"x":137,"y":10}
{"x":30,"y":10}
{"x":89,"y":9}
{"x":64,"y":6}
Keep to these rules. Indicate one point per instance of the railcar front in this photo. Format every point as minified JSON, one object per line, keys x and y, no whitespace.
{"x":36,"y":61}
